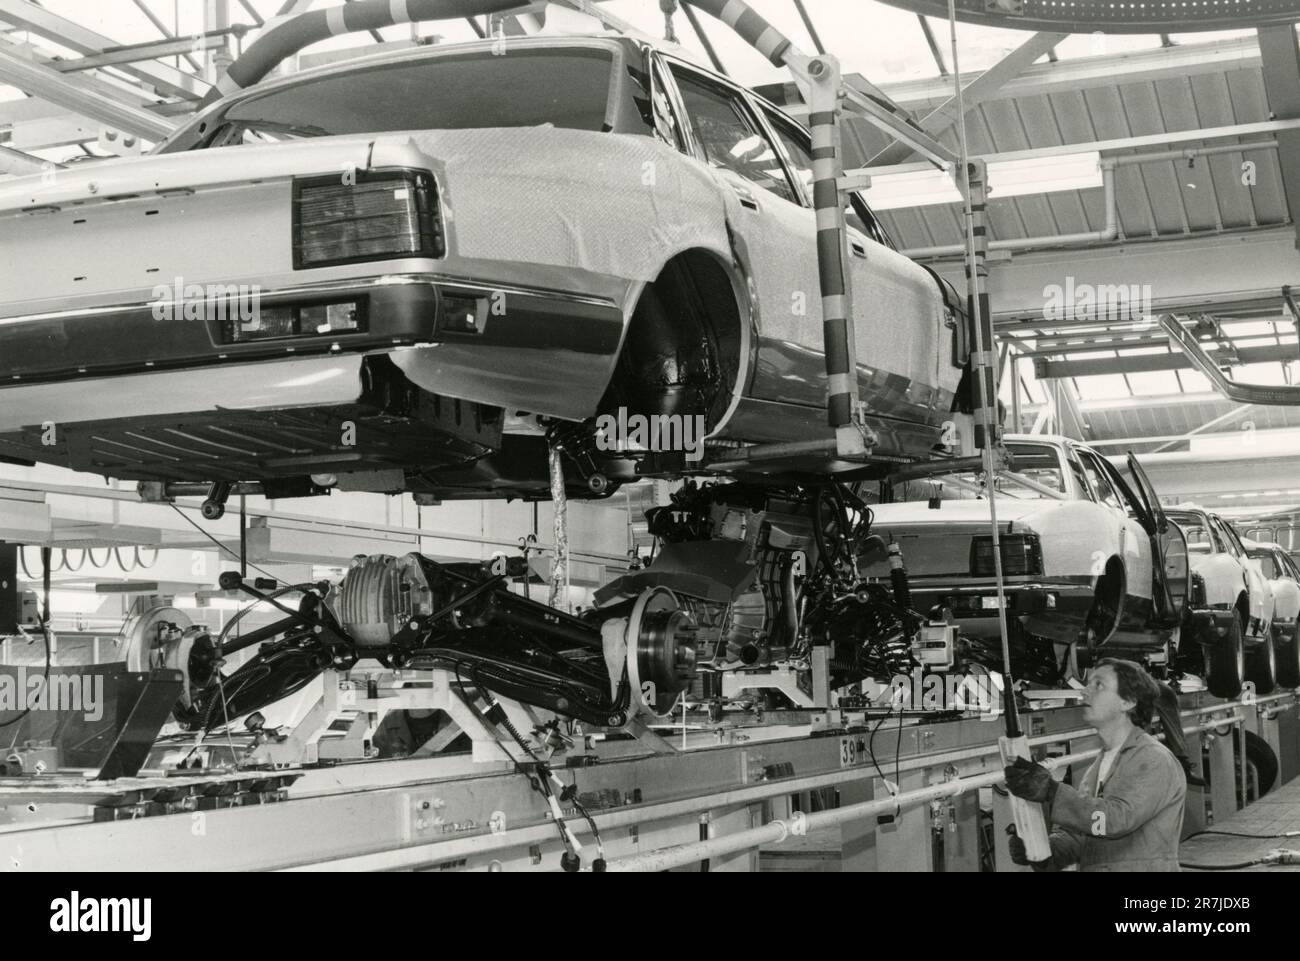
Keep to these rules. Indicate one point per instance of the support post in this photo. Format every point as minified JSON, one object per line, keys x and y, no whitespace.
{"x":842,"y":408}
{"x":984,"y":365}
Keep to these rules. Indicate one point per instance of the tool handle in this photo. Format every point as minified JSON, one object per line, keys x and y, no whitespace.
{"x":1031,"y":826}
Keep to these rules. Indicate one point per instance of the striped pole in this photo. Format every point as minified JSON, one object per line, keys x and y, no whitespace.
{"x":751,"y":26}
{"x":832,"y":267}
{"x":984,"y":366}
{"x":283,"y":39}
{"x":823,"y":76}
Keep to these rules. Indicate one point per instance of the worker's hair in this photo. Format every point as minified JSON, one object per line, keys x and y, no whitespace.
{"x":1136,"y":685}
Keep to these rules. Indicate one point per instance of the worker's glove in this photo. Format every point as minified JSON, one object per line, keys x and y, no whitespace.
{"x":1030,"y":781}
{"x":1020,"y":856}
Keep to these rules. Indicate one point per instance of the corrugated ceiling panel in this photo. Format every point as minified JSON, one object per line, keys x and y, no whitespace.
{"x":1155,"y":199}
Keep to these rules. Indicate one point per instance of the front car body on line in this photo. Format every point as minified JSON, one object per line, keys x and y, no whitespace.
{"x":1078,"y":541}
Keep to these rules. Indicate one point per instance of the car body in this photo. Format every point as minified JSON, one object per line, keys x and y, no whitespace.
{"x":1279,"y":569}
{"x":1283,"y":575}
{"x":1087,"y":555}
{"x":575,"y":226}
{"x":1232,"y":604}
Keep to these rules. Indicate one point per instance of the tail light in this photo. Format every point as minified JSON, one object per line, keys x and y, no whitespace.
{"x":365,"y":215}
{"x":1196,"y":593}
{"x":1021,"y":554}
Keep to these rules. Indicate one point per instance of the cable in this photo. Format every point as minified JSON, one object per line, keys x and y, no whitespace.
{"x":1238,"y":866}
{"x":871,"y":741}
{"x":1238,"y":834}
{"x":222,"y":546}
{"x":898,"y":750}
{"x":249,"y":605}
{"x":540,"y":783}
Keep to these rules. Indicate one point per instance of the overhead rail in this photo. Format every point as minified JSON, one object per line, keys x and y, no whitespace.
{"x":1265,"y":394}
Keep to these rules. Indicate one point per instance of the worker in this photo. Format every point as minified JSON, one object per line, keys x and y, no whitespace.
{"x":1128,"y":813}
{"x":403,"y":732}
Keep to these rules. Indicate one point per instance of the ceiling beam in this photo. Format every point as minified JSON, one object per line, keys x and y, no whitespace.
{"x":808,"y":24}
{"x":19,"y":164}
{"x":1046,"y":369}
{"x":161,"y":27}
{"x":72,"y":93}
{"x":137,"y":53}
{"x":933,"y":45}
{"x":1208,"y":425}
{"x":1138,"y":66}
{"x":1181,"y":276}
{"x":984,"y":87}
{"x":168,"y":81}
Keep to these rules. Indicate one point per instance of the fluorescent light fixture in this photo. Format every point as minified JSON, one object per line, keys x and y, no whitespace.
{"x":920,"y":188}
{"x":1042,"y":175}
{"x":1007,"y":178}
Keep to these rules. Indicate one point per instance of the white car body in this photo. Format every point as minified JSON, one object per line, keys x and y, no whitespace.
{"x":1086,"y":531}
{"x":1232,"y":578}
{"x":1283,"y":576}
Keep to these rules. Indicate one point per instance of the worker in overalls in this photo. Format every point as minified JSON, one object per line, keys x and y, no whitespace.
{"x":1127,"y":815}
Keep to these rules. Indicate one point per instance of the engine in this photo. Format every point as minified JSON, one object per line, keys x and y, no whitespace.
{"x":769,"y":574}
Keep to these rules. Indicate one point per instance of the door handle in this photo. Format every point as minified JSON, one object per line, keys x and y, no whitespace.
{"x":746,"y":197}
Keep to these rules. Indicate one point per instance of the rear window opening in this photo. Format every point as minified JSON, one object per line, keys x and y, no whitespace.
{"x":568,"y":88}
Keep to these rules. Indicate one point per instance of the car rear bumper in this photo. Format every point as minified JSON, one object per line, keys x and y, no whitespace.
{"x":1046,"y":605}
{"x":545,"y":351}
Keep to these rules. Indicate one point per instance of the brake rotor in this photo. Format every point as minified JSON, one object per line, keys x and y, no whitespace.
{"x":661,"y":650}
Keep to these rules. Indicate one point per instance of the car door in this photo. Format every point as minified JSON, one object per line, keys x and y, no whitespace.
{"x":899,"y":328}
{"x":1104,"y":494}
{"x":1169,"y":547}
{"x":777,"y":232}
{"x":1260,"y":593}
{"x":1138,"y":555}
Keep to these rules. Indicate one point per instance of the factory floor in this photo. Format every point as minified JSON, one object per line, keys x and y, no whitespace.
{"x":1275,"y":813}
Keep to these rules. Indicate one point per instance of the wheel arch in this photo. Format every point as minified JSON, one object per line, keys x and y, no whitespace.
{"x":728,"y":318}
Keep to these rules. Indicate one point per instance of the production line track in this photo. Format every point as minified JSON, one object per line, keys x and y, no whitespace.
{"x":451,"y":813}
